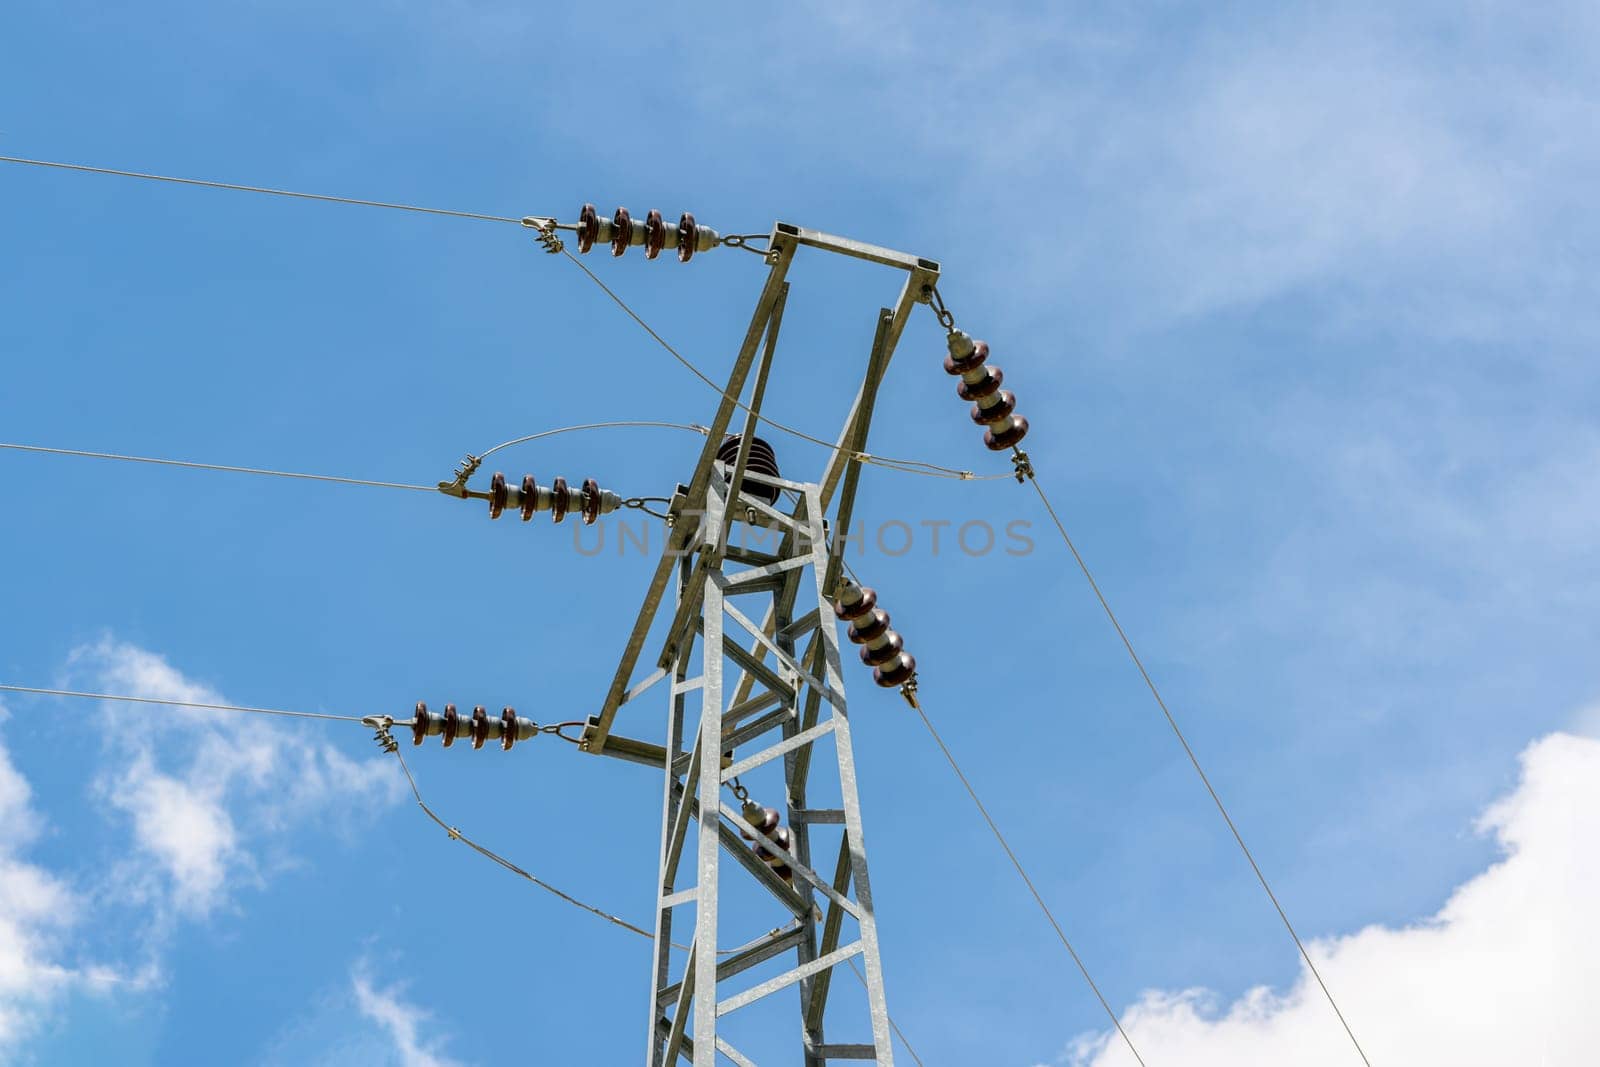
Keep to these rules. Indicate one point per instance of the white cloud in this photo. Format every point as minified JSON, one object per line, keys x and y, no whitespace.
{"x":37,"y":910}
{"x":399,"y":1020}
{"x":201,"y":790}
{"x":1504,"y":973}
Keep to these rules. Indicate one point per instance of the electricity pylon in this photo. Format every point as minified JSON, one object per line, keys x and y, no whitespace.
{"x":757,"y":705}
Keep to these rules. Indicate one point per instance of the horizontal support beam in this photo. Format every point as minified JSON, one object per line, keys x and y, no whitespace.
{"x":734,"y":738}
{"x":788,"y":744}
{"x":817,"y":816}
{"x":788,"y":978}
{"x":855,"y":249}
{"x":844,"y":1052}
{"x":743,"y":959}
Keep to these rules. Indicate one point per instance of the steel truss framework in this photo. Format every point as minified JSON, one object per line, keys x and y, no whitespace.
{"x":783,"y":702}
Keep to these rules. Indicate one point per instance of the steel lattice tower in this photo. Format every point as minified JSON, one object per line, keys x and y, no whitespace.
{"x":783,"y":695}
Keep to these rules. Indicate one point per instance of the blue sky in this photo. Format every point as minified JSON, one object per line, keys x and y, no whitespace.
{"x":1300,"y":303}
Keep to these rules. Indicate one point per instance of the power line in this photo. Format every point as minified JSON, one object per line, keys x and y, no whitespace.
{"x":1193,"y":759}
{"x":907,"y":466}
{"x":215,"y":467}
{"x":179,"y":703}
{"x":691,"y":426}
{"x":259,"y":189}
{"x":1012,"y":856}
{"x":456,"y":835}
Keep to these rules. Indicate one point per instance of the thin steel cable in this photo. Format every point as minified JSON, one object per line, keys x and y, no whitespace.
{"x":215,"y":467}
{"x":1193,"y":759}
{"x":1012,"y":856}
{"x":908,"y":466}
{"x":178,"y":703}
{"x":457,"y":835}
{"x":696,"y":427}
{"x":892,"y":1024}
{"x":259,"y":189}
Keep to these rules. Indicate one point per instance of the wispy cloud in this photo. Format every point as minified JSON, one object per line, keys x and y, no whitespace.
{"x":184,"y":798}
{"x":1503,"y":973}
{"x":399,"y":1019}
{"x":38,"y":912}
{"x":200,"y":799}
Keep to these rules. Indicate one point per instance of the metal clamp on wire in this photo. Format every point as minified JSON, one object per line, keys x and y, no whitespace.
{"x":457,"y":486}
{"x":380,"y":725}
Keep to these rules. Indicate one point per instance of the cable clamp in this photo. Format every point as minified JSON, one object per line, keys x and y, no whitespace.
{"x":380,"y":725}
{"x":1024,"y":468}
{"x":457,"y":486}
{"x":547,"y":236}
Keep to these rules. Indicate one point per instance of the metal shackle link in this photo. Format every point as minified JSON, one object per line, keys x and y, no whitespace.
{"x":588,"y":500}
{"x":993,"y":407}
{"x":508,"y":727}
{"x":769,"y":821}
{"x":882,"y":648}
{"x":653,"y":233}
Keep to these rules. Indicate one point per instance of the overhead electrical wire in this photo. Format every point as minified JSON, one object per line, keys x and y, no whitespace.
{"x":1195,"y":761}
{"x":994,"y":828}
{"x":215,"y":467}
{"x":691,"y":426}
{"x":904,"y":465}
{"x":122,"y":697}
{"x":456,"y":835}
{"x":260,"y":189}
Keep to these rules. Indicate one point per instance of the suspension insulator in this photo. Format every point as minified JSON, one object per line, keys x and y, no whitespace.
{"x":621,"y":231}
{"x":1000,"y":404}
{"x":876,"y":655}
{"x":655,"y":234}
{"x":530,"y":496}
{"x":686,"y":237}
{"x":965,"y":353}
{"x":881,"y":647}
{"x":452,"y":725}
{"x":763,"y":460}
{"x":1006,"y":435}
{"x":590,"y":500}
{"x":901,"y":671}
{"x":508,"y":728}
{"x":591,"y":228}
{"x":425,"y":724}
{"x":497,"y":495}
{"x":979,"y":382}
{"x":559,"y":499}
{"x":769,"y":821}
{"x":869,"y":627}
{"x":854,"y":601}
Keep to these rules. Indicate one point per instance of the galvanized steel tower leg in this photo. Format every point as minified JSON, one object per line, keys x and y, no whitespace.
{"x":800,"y":699}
